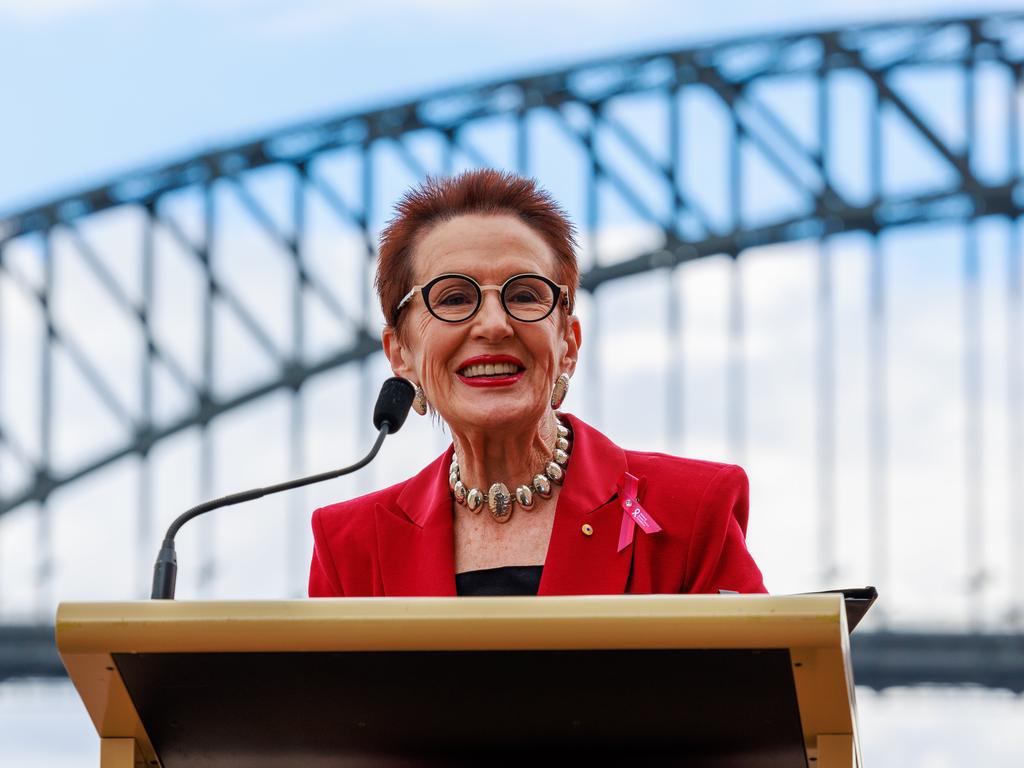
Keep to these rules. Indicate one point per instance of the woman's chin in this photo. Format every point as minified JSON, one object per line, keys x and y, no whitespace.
{"x":495,"y":408}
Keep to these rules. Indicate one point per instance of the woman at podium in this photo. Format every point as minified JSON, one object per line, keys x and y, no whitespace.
{"x":477,"y":277}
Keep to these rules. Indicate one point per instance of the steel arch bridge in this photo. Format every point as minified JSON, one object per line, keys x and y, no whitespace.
{"x":709,"y":151}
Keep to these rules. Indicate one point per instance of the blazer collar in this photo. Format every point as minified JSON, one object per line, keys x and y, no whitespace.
{"x":585,"y":560}
{"x":594,"y":468}
{"x":416,"y":539}
{"x":426,"y":498}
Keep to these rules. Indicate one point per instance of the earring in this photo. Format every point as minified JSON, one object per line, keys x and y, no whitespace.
{"x":560,"y":390}
{"x":419,"y":401}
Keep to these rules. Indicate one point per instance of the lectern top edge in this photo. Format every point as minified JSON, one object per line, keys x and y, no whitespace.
{"x":655,"y":621}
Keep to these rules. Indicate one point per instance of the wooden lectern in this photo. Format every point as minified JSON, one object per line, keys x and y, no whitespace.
{"x":695,"y":680}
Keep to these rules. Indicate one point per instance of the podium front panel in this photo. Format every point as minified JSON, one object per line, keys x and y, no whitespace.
{"x":264,"y":709}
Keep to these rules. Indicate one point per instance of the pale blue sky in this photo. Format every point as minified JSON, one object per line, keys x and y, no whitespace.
{"x":90,"y":88}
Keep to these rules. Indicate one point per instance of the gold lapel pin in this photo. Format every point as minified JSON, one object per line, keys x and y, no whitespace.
{"x":588,"y":529}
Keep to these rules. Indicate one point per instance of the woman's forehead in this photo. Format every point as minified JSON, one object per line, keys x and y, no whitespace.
{"x":484,"y":247}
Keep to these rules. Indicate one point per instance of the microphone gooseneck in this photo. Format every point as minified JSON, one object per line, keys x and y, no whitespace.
{"x":389,"y":414}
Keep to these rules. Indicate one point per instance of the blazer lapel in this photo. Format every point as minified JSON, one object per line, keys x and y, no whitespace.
{"x":416,"y":548}
{"x":578,"y":563}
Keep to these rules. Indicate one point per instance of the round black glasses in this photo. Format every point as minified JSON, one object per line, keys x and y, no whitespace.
{"x":456,"y":298}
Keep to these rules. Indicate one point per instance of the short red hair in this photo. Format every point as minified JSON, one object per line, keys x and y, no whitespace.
{"x":484,"y":191}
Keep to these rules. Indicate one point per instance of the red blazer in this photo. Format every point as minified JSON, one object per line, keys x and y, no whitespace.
{"x":399,"y":541}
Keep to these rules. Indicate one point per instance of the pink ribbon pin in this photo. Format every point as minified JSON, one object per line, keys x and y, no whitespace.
{"x":633,"y":514}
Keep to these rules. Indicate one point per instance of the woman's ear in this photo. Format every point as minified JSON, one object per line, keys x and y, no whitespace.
{"x":572,"y":338}
{"x":397,"y":354}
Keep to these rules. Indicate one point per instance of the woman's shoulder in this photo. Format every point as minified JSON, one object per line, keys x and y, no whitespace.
{"x":705,"y":492}
{"x":677,"y":476}
{"x":359,"y":513}
{"x":351,"y":508}
{"x":353,"y":519}
{"x":669,"y":467}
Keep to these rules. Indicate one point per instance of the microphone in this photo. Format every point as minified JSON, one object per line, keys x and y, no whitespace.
{"x":389,"y":415}
{"x":393,"y":403}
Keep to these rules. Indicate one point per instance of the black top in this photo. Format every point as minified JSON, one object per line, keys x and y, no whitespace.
{"x":507,"y":580}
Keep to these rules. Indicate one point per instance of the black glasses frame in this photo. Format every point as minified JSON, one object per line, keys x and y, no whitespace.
{"x":560,"y":292}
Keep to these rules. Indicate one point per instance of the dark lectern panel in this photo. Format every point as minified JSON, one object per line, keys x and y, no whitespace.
{"x":636,"y":707}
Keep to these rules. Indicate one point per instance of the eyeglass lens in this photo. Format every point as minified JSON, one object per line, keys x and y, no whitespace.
{"x":457,"y":298}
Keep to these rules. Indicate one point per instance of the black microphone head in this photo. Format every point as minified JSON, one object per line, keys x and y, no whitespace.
{"x":393,"y":404}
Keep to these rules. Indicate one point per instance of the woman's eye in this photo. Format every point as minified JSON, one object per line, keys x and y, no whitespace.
{"x":523,"y":296}
{"x":454,"y":299}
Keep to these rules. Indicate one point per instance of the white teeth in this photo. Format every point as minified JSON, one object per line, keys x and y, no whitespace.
{"x":489,"y":369}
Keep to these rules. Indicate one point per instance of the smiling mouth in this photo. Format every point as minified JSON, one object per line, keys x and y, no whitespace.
{"x":489,"y":370}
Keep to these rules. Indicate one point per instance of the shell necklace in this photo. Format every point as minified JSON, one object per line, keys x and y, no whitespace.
{"x":498,"y":498}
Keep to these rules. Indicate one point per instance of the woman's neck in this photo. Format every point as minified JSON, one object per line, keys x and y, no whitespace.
{"x":489,"y":456}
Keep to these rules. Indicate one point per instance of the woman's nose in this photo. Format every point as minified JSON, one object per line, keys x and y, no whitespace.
{"x":491,"y":320}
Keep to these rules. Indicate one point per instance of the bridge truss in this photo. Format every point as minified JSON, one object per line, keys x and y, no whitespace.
{"x":712,"y":151}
